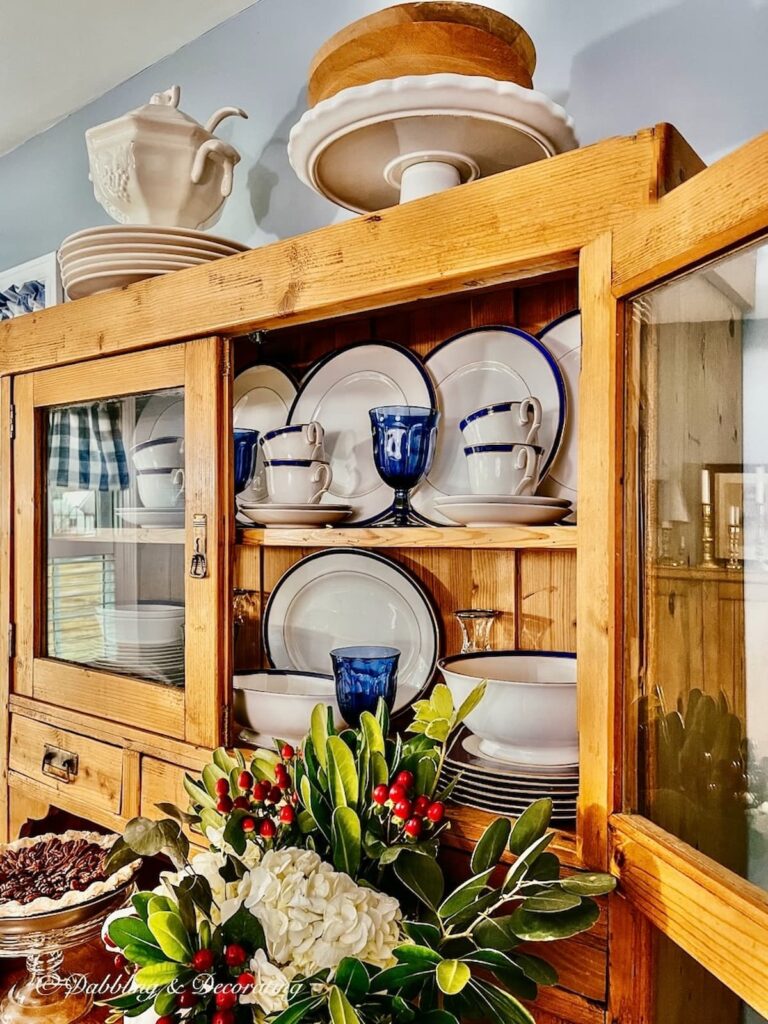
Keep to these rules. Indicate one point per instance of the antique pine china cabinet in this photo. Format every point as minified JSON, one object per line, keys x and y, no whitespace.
{"x":662,"y":255}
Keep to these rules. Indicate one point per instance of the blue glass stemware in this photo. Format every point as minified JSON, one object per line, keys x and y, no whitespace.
{"x":403,"y":448}
{"x":245,"y":456}
{"x":363,"y":674}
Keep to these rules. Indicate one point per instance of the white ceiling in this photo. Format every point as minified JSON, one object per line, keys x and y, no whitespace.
{"x":58,"y":55}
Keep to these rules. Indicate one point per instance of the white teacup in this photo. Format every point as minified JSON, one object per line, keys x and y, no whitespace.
{"x":162,"y":453}
{"x":161,"y":488}
{"x":297,"y":481}
{"x":300,"y":441}
{"x":502,"y":469}
{"x":517,"y":422}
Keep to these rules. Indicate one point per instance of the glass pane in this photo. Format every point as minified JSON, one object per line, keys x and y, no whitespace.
{"x":684,"y":992}
{"x":701,"y":720}
{"x":115,"y":535}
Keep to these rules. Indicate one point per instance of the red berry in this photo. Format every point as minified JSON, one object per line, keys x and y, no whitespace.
{"x":287,"y":752}
{"x":282,"y":778}
{"x":287,"y":815}
{"x":245,"y":780}
{"x":421,"y":805}
{"x":167,"y":1018}
{"x":234,"y":954}
{"x":402,"y":809}
{"x":436,"y":811}
{"x":381,"y":794}
{"x":222,"y":787}
{"x":396,"y":792}
{"x":203,"y":959}
{"x":226,"y":998}
{"x":260,"y":791}
{"x":275,"y":795}
{"x":186,"y":999}
{"x":413,"y":828}
{"x":223,"y":1017}
{"x":267,"y":829}
{"x":119,"y":961}
{"x":224,"y":804}
{"x":242,"y":803}
{"x":246,"y":981}
{"x":248,"y":825}
{"x":405,"y":779}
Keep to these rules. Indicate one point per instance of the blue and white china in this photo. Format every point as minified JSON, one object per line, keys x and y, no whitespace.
{"x":563,"y":339}
{"x":488,"y":510}
{"x":299,"y":441}
{"x":504,"y":421}
{"x":503,"y":469}
{"x":297,"y":481}
{"x":338,"y":392}
{"x":270,"y":513}
{"x":262,"y":396}
{"x":475,"y":369}
{"x":245,"y":443}
{"x":363,"y":675}
{"x":403,"y":449}
{"x":162,"y":453}
{"x":161,"y":488}
{"x":274,"y":704}
{"x":161,"y":416}
{"x":346,"y":597}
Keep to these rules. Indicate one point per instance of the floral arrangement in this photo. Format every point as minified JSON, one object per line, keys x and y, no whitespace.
{"x":321,"y":897}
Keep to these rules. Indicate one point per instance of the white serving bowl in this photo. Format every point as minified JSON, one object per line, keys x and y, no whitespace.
{"x":528,"y":713}
{"x":163,"y":453}
{"x":141,"y":624}
{"x":277,"y":704}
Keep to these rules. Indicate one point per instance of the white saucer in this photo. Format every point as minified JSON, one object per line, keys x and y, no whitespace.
{"x":481,"y":513}
{"x":271,"y":514}
{"x":169,"y":518}
{"x":471,"y":745}
{"x":502,"y":499}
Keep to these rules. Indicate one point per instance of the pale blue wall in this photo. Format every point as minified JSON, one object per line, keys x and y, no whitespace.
{"x":617,"y":65}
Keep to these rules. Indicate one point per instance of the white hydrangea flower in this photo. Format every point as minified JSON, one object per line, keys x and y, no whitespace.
{"x":206,"y":863}
{"x":270,"y":991}
{"x":250,"y":858}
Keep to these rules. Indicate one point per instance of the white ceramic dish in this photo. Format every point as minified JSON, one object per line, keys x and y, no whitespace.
{"x":504,"y":499}
{"x":528,"y":714}
{"x":133,"y":235}
{"x":291,"y":481}
{"x":94,"y":283}
{"x":152,"y":518}
{"x":86,"y":249}
{"x":298,"y":441}
{"x":563,"y":339}
{"x":482,"y":513}
{"x":161,"y":488}
{"x":278,"y":705}
{"x":475,"y":369}
{"x":555,"y":774}
{"x":161,"y":416}
{"x":262,"y":397}
{"x":517,"y":422}
{"x":158,"y":624}
{"x":339,"y":392}
{"x":163,"y":453}
{"x":503,"y":469}
{"x":110,"y":262}
{"x":268,"y":514}
{"x":347,"y":598}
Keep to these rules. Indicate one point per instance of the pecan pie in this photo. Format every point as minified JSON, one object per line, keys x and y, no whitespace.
{"x":53,"y":872}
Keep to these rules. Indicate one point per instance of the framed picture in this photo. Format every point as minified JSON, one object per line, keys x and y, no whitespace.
{"x":745,"y":490}
{"x":30,"y":287}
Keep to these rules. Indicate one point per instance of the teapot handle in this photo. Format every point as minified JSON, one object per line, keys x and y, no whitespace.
{"x":215,"y":119}
{"x":229,"y":157}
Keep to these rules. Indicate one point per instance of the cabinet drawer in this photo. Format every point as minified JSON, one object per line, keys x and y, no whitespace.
{"x":163,"y":783}
{"x":93,"y":774}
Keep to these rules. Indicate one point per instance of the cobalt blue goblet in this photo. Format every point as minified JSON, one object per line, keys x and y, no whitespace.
{"x":363,"y":674}
{"x":245,"y":456}
{"x":403,"y":449}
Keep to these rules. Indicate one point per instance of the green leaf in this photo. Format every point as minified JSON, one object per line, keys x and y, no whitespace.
{"x":531,"y":825}
{"x":372,"y":731}
{"x":159,"y":905}
{"x":533,"y":927}
{"x":480,"y":905}
{"x":211,"y":775}
{"x":198,"y":794}
{"x":528,"y":857}
{"x":491,"y":845}
{"x":379,"y":770}
{"x":552,"y":900}
{"x":442,"y":701}
{"x":352,"y":977}
{"x":340,"y":1008}
{"x":120,"y":854}
{"x":452,"y":976}
{"x":422,"y":933}
{"x":171,"y":936}
{"x":422,"y":876}
{"x":245,"y":929}
{"x":499,"y":1005}
{"x":536,"y":969}
{"x":588,"y":884}
{"x":296,"y":1012}
{"x":176,"y":812}
{"x":464,"y":894}
{"x":496,"y":933}
{"x":439,"y":729}
{"x":124,"y":931}
{"x":149,"y":838}
{"x":402,"y":976}
{"x":233,"y":831}
{"x":421,"y":956}
{"x":223,"y":761}
{"x":546,"y":868}
{"x":318,"y":730}
{"x":470,"y":702}
{"x":382,"y":716}
{"x":426,"y":774}
{"x":390,"y":854}
{"x":509,"y":973}
{"x":143,"y":955}
{"x":342,"y":773}
{"x":140,"y":902}
{"x":346,"y":841}
{"x":157,"y":975}
{"x":165,"y":1003}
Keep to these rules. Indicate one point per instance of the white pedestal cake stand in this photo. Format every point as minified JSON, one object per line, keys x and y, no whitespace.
{"x":373,"y":146}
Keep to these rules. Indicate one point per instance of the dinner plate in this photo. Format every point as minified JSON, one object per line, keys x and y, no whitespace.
{"x":540,"y":786}
{"x":513,"y":788}
{"x":468,"y":751}
{"x":262,"y":398}
{"x":509,"y":513}
{"x":143,"y":241}
{"x":114,"y":262}
{"x":477,"y":368}
{"x":123,"y":232}
{"x":170,"y":518}
{"x":267,"y":514}
{"x":92,"y":283}
{"x":503,"y":499}
{"x":345,"y":598}
{"x":338,"y":392}
{"x":140,"y":250}
{"x":563,"y":339}
{"x":559,"y":819}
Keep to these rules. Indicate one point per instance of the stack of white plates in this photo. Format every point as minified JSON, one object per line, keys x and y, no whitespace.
{"x":163,"y":663}
{"x":502,"y":510}
{"x":145,"y":639}
{"x":115,"y":255}
{"x":504,"y":788}
{"x":271,"y":513}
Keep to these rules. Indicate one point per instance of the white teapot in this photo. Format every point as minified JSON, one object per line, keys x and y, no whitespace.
{"x":157,"y":165}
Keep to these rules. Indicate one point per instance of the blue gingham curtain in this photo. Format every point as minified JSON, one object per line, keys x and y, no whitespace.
{"x":85,"y":448}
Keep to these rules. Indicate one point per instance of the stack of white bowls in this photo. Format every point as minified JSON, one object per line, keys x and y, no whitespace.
{"x":145,"y":639}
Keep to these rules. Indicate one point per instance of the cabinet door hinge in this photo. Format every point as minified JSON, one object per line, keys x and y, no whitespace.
{"x":12,"y":423}
{"x":11,"y":640}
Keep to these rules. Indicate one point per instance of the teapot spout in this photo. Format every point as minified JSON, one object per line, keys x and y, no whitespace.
{"x":215,"y":119}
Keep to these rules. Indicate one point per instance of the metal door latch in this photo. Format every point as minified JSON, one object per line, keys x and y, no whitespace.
{"x":198,"y":567}
{"x":59,"y":764}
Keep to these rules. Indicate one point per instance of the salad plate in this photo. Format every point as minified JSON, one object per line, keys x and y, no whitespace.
{"x":339,"y":392}
{"x":162,"y":416}
{"x":267,"y":513}
{"x":347,"y":597}
{"x":170,"y":518}
{"x":480,"y":513}
{"x":261,"y":399}
{"x":475,"y":369}
{"x":563,"y":339}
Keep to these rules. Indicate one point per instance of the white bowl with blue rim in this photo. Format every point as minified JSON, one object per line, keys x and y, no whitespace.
{"x":518,"y":422}
{"x":274,"y":704}
{"x":528,"y":713}
{"x":159,"y":453}
{"x":508,"y":469}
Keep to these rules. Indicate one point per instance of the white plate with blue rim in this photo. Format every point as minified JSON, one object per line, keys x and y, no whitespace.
{"x":345,"y":597}
{"x":563,"y":339}
{"x":477,"y":368}
{"x":338,"y":392}
{"x":261,"y":400}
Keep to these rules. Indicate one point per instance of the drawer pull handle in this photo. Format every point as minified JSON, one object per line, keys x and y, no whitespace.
{"x":59,"y":764}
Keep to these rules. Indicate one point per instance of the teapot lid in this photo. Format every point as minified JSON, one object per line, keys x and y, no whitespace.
{"x":163,"y":106}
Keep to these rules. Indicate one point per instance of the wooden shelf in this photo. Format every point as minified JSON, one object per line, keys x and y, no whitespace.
{"x":131,"y":535}
{"x":503,"y":537}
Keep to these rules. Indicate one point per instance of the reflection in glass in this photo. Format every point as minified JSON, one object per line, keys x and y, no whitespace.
{"x":701,"y":715}
{"x":115,"y":535}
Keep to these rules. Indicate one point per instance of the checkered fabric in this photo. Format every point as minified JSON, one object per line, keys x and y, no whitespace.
{"x":85,"y":448}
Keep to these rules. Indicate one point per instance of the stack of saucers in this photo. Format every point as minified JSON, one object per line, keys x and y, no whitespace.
{"x":98,"y":259}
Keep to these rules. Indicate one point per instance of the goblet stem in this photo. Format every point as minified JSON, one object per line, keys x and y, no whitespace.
{"x":45,"y":965}
{"x":401,"y":508}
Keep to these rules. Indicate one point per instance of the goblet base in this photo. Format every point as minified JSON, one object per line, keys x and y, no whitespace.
{"x":44,"y":998}
{"x":396,"y":517}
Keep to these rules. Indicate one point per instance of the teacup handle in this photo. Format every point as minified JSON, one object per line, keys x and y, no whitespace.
{"x":527,"y":459}
{"x":313,"y":432}
{"x":530,"y":408}
{"x":177,"y":479}
{"x":322,"y":476}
